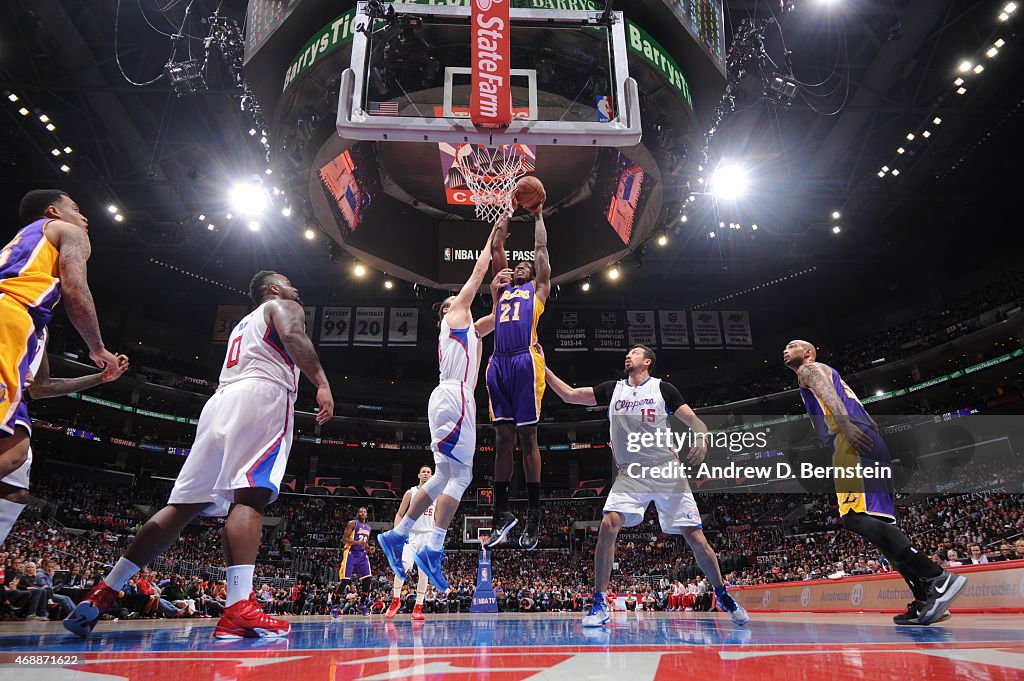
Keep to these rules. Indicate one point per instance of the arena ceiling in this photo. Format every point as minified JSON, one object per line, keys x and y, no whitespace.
{"x":888,"y":69}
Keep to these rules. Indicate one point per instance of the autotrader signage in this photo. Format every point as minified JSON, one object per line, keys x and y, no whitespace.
{"x":339,"y":32}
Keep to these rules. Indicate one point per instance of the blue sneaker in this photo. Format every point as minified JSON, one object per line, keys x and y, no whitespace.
{"x":391,"y":544}
{"x":429,"y":561}
{"x":726,"y":603}
{"x":598,"y":615}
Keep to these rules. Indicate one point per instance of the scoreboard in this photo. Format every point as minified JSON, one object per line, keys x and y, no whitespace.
{"x":262,"y":18}
{"x":705,"y":21}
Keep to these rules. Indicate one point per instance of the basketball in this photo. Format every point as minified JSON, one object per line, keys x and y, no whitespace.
{"x":530,"y":193}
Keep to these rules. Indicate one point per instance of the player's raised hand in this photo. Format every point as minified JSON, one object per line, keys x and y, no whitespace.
{"x":860,"y":440}
{"x":539,"y":350}
{"x":325,"y":400}
{"x":698,"y":451}
{"x":504,"y":276}
{"x":103,"y":358}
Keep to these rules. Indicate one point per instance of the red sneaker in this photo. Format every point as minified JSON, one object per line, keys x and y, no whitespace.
{"x":85,"y":615}
{"x":396,"y":603}
{"x":417,"y":613}
{"x":246,"y":619}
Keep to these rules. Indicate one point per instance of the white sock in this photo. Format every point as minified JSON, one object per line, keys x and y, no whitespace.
{"x":122,"y":572}
{"x":436,"y":541}
{"x":239,"y":579}
{"x":9,"y":512}
{"x":403,"y":528}
{"x":397,"y":591}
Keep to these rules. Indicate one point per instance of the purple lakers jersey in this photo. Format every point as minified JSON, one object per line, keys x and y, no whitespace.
{"x":515,"y":322}
{"x":29,"y":272}
{"x":823,"y":422}
{"x":361,"y":532}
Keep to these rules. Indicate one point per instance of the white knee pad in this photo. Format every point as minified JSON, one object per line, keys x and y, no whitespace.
{"x":435,"y":486}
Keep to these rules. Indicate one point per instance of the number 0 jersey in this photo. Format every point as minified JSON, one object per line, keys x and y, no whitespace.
{"x":255,"y":351}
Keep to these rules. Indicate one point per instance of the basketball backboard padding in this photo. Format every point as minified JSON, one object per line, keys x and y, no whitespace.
{"x":402,"y":118}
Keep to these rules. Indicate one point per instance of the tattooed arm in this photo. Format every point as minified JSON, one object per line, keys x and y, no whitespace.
{"x":43,"y":385}
{"x":813,"y":377}
{"x":75,"y":250}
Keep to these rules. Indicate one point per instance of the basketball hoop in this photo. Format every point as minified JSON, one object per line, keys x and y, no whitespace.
{"x":491,"y":175}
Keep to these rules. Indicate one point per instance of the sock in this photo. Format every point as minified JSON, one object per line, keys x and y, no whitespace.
{"x":122,"y":572}
{"x":436,"y":541}
{"x":598,"y":596}
{"x":918,"y":563}
{"x":500,"y":497}
{"x":403,"y":528}
{"x":9,"y":512}
{"x":396,"y":592}
{"x":533,"y":495}
{"x":239,"y":580}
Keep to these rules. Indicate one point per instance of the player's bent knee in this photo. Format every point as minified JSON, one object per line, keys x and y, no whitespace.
{"x":612,"y":522}
{"x":461,"y":476}
{"x":436,"y":485}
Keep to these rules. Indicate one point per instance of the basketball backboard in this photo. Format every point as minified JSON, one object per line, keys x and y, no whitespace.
{"x":411,"y":78}
{"x":475,"y":529}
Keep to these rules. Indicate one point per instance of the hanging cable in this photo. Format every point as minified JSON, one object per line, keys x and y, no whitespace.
{"x":117,"y":53}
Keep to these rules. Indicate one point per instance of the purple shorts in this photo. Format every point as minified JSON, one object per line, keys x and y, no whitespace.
{"x":354,"y":565}
{"x":515,"y":385}
{"x":873,"y":496}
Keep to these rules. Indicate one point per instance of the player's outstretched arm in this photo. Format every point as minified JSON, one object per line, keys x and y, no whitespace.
{"x":540,"y":254}
{"x":459,"y":315}
{"x":699,"y":449}
{"x":349,"y":537}
{"x":43,"y":385}
{"x":562,"y":389}
{"x":288,"y":319}
{"x":498,"y":257}
{"x":75,"y":249}
{"x":403,"y":508}
{"x":485,"y":325}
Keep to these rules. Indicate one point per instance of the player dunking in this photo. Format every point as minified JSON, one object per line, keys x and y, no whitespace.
{"x":515,"y":379}
{"x":44,"y":261}
{"x":451,"y":414}
{"x":354,"y":562}
{"x":239,"y":457}
{"x":868,"y":506}
{"x":418,"y":538}
{"x":640,"y":405}
{"x":14,"y":488}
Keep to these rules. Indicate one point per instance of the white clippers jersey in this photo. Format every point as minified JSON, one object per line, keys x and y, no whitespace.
{"x":256,"y":351}
{"x":458,"y":354}
{"x":425,"y":523}
{"x":636,"y":411}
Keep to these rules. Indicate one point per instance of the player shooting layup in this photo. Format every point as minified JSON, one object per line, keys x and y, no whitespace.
{"x":239,"y":457}
{"x":451,"y":413}
{"x":515,"y":378}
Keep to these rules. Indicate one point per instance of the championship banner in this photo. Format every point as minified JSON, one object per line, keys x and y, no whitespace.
{"x":609,"y":333}
{"x":491,"y":97}
{"x":227,"y":317}
{"x":737,"y":330}
{"x":310,"y":313}
{"x":707,"y":331}
{"x":402,"y":327}
{"x":369,"y":326}
{"x":334,"y":325}
{"x":675,"y":331}
{"x":640,"y":324}
{"x":571,"y":333}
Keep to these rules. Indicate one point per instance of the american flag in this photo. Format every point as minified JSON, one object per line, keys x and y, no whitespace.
{"x":382,"y":108}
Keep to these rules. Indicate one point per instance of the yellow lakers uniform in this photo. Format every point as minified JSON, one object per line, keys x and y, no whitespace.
{"x":29,"y":289}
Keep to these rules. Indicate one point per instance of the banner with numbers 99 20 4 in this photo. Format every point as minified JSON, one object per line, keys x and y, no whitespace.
{"x":335,"y":325}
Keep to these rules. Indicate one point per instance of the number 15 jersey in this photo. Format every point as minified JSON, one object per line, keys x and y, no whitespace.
{"x":637,"y":413}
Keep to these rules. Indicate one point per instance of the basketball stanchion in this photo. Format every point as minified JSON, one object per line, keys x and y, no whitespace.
{"x":484,"y":599}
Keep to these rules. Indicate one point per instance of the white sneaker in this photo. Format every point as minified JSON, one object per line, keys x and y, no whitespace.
{"x":727,"y":603}
{"x":598,"y":615}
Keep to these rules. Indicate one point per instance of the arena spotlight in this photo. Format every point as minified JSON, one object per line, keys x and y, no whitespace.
{"x":962,"y":91}
{"x":202,"y":218}
{"x":979,"y":68}
{"x":23,"y":111}
{"x":910,"y":137}
{"x":51,"y":127}
{"x":13,"y":97}
{"x":895,"y":172}
{"x":118,"y":218}
{"x":926,"y":134}
{"x":662,"y":239}
{"x":310,"y":234}
{"x":43,"y":118}
{"x":753,"y":227}
{"x":965,"y":66}
{"x":248,"y":198}
{"x":835,"y":215}
{"x":211,"y":226}
{"x":711,"y":235}
{"x":112,"y":208}
{"x":388,"y":284}
{"x":683,"y":218}
{"x":359,"y":269}
{"x":729,"y":181}
{"x":65,"y":169}
{"x":1010,"y":7}
{"x":879,"y":393}
{"x":992,"y":51}
{"x":999,"y":43}
{"x":613,"y":272}
{"x":901,"y":150}
{"x":586,"y":285}
{"x":254,"y":226}
{"x":836,"y":230}
{"x":67,"y":150}
{"x":958,"y":82}
{"x":55,"y":152}
{"x":286,"y":211}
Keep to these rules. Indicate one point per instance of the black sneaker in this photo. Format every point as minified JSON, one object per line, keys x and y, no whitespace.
{"x":502,"y":524}
{"x":531,"y":535}
{"x":941,"y":592}
{"x":911,"y":615}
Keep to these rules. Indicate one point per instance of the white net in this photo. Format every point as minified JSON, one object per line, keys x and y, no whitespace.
{"x":491,"y":175}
